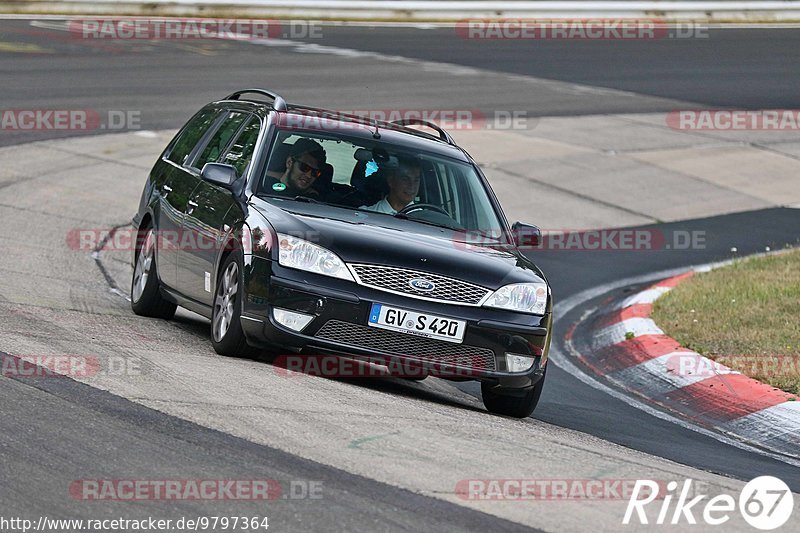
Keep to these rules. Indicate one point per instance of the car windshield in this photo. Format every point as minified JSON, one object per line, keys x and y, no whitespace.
{"x":380,"y":178}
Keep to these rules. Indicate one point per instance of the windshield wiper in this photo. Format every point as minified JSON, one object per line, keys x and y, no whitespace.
{"x":306,"y":199}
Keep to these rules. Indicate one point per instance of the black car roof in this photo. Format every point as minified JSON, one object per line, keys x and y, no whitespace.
{"x":311,"y":119}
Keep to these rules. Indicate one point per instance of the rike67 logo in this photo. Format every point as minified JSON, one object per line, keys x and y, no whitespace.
{"x":766,"y":503}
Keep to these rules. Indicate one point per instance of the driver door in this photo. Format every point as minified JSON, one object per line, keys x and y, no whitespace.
{"x":213,"y":210}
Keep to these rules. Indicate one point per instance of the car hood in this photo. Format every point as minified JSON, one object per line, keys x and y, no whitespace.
{"x":360,"y":237}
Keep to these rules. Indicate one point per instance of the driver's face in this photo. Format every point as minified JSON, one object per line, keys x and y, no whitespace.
{"x":301,"y":171}
{"x":404,"y":185}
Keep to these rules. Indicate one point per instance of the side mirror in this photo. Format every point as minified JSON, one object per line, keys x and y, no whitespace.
{"x":526,"y":235}
{"x":223,"y":175}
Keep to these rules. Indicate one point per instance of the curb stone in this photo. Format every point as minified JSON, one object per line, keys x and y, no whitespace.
{"x":629,"y":349}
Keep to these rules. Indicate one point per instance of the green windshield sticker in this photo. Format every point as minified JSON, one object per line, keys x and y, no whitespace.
{"x":279,"y":187}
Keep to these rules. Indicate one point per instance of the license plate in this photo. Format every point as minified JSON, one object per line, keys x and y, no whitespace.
{"x":413,"y":323}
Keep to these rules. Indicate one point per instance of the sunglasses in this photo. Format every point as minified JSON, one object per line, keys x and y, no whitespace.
{"x":305,"y":168}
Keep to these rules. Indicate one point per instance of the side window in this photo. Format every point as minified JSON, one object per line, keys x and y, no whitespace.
{"x":219,"y":141}
{"x":191,"y":135}
{"x":241,"y":151}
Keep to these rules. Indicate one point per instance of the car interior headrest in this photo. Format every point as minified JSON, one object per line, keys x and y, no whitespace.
{"x":277,"y":161}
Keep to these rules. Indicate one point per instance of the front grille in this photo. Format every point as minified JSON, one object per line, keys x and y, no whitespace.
{"x":369,"y":338}
{"x":397,"y":280}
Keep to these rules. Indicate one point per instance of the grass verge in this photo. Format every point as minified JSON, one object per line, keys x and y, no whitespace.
{"x":745,"y":316}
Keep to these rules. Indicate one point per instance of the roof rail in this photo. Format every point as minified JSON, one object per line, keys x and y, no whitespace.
{"x":278,"y":103}
{"x":338,"y":114}
{"x":443,"y":135}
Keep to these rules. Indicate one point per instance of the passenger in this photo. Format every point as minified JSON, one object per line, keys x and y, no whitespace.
{"x":303,"y":166}
{"x":403,"y":185}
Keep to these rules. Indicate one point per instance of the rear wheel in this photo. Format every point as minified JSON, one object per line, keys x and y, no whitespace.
{"x":508,"y":405}
{"x":146,"y":299}
{"x":227,"y":336}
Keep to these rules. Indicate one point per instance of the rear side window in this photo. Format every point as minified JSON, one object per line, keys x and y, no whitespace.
{"x":191,"y":135}
{"x":241,"y":151}
{"x":219,"y":141}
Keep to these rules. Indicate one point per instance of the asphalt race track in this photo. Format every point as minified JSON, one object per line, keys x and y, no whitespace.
{"x":747,"y":68}
{"x":53,"y":432}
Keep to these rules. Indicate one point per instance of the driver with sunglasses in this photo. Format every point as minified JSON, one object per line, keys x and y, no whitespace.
{"x":303,"y":166}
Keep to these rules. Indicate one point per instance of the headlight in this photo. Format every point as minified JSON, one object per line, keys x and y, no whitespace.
{"x":303,"y":255}
{"x":522,"y":297}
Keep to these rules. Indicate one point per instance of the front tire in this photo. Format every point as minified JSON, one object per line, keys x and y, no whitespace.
{"x":146,"y":299}
{"x":227,"y":335}
{"x":515,"y":406}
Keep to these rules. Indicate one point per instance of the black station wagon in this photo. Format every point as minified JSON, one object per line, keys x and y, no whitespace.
{"x":326,"y":234}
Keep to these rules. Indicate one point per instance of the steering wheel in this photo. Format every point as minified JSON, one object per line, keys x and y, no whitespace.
{"x":416,"y":207}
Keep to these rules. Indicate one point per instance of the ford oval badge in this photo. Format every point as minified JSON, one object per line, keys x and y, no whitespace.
{"x":422,"y":284}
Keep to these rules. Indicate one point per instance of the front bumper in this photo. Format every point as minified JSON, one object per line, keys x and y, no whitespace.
{"x":341,"y":309}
